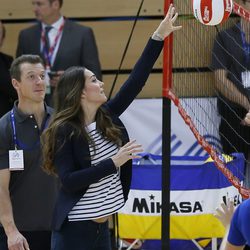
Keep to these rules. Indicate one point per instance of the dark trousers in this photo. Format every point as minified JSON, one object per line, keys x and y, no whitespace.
{"x":82,"y":235}
{"x":37,"y":240}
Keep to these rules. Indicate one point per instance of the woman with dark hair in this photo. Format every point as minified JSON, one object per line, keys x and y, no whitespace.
{"x":88,"y":147}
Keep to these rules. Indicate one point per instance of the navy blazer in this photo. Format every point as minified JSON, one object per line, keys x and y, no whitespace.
{"x":77,"y":47}
{"x":72,"y":160}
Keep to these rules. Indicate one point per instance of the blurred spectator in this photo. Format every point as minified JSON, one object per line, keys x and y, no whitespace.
{"x":231,"y":65}
{"x":59,"y":41}
{"x":7,"y":92}
{"x":27,"y":194}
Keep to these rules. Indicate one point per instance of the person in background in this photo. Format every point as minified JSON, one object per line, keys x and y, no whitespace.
{"x":7,"y":93}
{"x":231,"y":66}
{"x":237,"y":225}
{"x":88,"y":147}
{"x":59,"y":41}
{"x":27,"y":193}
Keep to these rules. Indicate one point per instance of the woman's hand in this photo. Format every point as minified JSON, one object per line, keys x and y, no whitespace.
{"x":126,"y":153}
{"x":166,"y":26}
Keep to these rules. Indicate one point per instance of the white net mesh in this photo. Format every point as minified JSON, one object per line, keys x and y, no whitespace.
{"x":211,"y":78}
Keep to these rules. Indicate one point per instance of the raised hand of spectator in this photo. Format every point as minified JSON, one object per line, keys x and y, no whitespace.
{"x":225,"y":213}
{"x":247,"y":119}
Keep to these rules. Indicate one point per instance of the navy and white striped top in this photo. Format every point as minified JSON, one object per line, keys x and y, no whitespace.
{"x":106,"y":196}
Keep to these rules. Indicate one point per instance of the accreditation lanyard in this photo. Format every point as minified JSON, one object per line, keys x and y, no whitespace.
{"x":246,"y":47}
{"x":49,"y":54}
{"x":18,"y":143}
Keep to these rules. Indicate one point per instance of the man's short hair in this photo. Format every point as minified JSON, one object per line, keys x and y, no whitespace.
{"x":60,"y":2}
{"x":15,"y":68}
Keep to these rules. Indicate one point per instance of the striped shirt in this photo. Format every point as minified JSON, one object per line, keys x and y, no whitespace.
{"x":106,"y":196}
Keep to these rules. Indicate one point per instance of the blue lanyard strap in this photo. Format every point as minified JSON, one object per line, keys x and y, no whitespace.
{"x":12,"y":119}
{"x":246,"y":46}
{"x":18,"y":143}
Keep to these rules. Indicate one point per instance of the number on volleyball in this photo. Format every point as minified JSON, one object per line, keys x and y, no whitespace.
{"x":212,"y":12}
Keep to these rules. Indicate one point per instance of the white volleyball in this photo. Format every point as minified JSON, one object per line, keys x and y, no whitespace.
{"x":212,"y":12}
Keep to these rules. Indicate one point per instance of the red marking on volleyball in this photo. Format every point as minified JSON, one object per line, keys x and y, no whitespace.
{"x":228,"y":9}
{"x":206,"y":9}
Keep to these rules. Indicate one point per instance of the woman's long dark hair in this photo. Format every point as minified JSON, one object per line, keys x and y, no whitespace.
{"x":68,"y":110}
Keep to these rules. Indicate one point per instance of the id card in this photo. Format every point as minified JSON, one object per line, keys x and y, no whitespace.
{"x":245,"y":76}
{"x":16,"y":162}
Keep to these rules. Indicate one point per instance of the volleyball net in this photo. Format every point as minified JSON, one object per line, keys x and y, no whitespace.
{"x":211,"y":63}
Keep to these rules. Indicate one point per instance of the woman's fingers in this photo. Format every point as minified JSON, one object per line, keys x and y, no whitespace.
{"x":127,"y":152}
{"x":174,"y":17}
{"x":132,"y":147}
{"x":136,"y":157}
{"x":134,"y":150}
{"x":169,"y":10}
{"x":129,"y":143}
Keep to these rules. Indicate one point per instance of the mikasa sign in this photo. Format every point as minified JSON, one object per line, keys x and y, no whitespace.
{"x":152,"y":207}
{"x":185,"y":202}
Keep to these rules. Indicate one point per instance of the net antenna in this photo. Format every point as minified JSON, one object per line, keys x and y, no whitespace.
{"x":193,"y":90}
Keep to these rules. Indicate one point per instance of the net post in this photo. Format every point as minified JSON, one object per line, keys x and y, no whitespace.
{"x":166,"y":137}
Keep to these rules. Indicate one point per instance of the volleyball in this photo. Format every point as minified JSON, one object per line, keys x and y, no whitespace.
{"x":212,"y":12}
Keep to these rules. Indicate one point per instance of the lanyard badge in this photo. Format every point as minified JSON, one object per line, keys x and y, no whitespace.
{"x":16,"y":162}
{"x":15,"y":156}
{"x":16,"y":159}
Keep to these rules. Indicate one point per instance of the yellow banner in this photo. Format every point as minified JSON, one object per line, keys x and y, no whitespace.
{"x":149,"y":227}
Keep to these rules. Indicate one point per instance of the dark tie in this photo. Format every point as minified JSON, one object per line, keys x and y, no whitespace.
{"x":47,"y":43}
